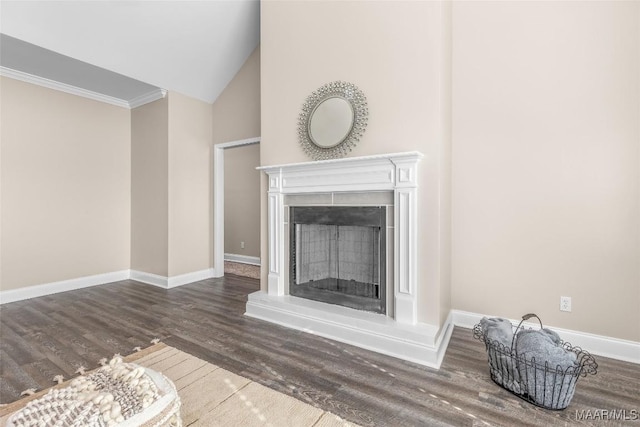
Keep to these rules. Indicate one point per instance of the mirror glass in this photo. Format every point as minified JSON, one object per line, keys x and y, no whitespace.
{"x":331,"y":122}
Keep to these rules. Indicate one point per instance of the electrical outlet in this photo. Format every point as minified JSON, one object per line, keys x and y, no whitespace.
{"x":241,"y":245}
{"x":565,"y":304}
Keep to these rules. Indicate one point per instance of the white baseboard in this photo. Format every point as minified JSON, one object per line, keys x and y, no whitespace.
{"x":174,"y":281}
{"x":423,"y":344}
{"x":615,"y":348}
{"x":429,"y":352}
{"x":243,"y":259}
{"x":187,"y":278}
{"x":13,"y":295}
{"x":150,"y":279}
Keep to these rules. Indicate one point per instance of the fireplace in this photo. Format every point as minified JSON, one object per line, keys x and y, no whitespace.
{"x":337,"y":255}
{"x":310,"y":206}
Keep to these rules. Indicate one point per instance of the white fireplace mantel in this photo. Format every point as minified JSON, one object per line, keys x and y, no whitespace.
{"x":401,"y":336}
{"x":397,"y":172}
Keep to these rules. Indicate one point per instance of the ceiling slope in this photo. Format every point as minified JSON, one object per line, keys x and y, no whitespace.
{"x":191,"y":47}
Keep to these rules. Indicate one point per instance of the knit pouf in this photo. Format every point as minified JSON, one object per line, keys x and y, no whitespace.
{"x":118,"y":394}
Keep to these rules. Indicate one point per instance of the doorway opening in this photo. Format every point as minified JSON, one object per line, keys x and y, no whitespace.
{"x":222,"y":251}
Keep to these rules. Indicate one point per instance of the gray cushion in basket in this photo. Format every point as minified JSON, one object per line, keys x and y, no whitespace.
{"x":546,"y":387}
{"x":502,"y":365}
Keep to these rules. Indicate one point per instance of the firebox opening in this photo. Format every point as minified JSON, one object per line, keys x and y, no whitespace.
{"x":337,"y":255}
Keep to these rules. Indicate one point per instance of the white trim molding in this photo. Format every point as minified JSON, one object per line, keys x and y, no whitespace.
{"x":419,"y":343}
{"x":242,"y":259}
{"x":218,"y":200}
{"x":185,"y":279}
{"x":74,"y":90}
{"x":146,"y":98}
{"x":614,"y":348}
{"x":13,"y":295}
{"x":238,"y":143}
{"x":174,"y":281}
{"x":397,"y":172}
{"x":150,"y":279}
{"x":400,"y":335}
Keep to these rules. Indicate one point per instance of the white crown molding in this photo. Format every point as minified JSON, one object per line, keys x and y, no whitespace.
{"x":62,"y":87}
{"x":242,"y":259}
{"x":615,"y":348}
{"x":419,"y":343}
{"x":74,"y":90}
{"x":13,"y":295}
{"x":146,"y":98}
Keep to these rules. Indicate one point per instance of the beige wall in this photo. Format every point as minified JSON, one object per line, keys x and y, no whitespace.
{"x":242,"y":200}
{"x":149,"y":188}
{"x":190,"y":185}
{"x":171,"y":186}
{"x":113,"y":189}
{"x":446,"y":156}
{"x":236,"y":112}
{"x":546,"y":166}
{"x":65,"y":186}
{"x":395,"y":52}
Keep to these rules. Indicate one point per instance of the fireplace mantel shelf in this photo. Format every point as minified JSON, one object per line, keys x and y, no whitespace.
{"x":345,"y":161}
{"x":368,"y":173}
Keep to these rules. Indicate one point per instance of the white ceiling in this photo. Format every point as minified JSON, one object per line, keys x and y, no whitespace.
{"x":192,"y":47}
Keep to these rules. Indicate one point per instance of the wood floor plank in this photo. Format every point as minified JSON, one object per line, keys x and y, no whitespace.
{"x":13,"y":376}
{"x":42,"y":372}
{"x":53,"y":335}
{"x":16,"y":347}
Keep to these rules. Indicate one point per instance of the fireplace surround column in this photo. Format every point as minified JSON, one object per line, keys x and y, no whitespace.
{"x":276,"y":281}
{"x":406,"y":245}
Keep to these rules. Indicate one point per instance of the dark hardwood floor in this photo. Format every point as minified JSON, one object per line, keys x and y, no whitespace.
{"x":56,"y":334}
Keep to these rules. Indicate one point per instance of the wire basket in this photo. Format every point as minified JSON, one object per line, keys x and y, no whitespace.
{"x":536,"y":382}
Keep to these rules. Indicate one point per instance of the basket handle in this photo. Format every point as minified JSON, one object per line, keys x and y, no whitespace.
{"x":524,"y":318}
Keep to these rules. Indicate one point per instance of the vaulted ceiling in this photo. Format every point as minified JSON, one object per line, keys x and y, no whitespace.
{"x":192,"y":47}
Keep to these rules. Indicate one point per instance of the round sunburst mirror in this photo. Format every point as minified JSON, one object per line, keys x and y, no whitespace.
{"x":332,"y":120}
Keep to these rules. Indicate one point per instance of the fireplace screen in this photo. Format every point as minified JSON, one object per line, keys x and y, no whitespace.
{"x":338,"y":255}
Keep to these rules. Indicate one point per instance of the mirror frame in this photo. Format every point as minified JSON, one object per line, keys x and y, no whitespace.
{"x":358,"y":102}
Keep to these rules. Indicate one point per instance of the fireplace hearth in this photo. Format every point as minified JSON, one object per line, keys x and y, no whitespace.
{"x":337,"y":255}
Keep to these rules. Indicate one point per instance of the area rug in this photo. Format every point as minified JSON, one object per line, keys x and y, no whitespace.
{"x":212,"y":396}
